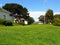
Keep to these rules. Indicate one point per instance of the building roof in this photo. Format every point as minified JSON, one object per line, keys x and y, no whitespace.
{"x":5,"y":11}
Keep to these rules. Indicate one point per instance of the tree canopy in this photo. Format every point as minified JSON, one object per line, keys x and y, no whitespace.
{"x":41,"y":18}
{"x":30,"y":20}
{"x":20,"y":10}
{"x":49,"y":16}
{"x":57,"y":16}
{"x":16,"y":8}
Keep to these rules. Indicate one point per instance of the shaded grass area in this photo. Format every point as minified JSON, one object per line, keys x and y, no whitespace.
{"x":30,"y":35}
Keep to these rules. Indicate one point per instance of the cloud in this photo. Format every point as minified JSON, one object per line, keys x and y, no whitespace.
{"x":36,"y":14}
{"x":56,"y":13}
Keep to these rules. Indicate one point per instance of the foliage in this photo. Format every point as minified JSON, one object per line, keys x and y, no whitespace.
{"x":6,"y":22}
{"x":56,"y":21}
{"x":16,"y":9}
{"x":41,"y":18}
{"x":30,"y":35}
{"x":30,"y":20}
{"x":49,"y":16}
{"x":21,"y":23}
{"x":1,"y":21}
{"x":57,"y":16}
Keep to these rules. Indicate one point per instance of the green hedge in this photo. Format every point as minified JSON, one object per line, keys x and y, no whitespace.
{"x":6,"y":22}
{"x":56,"y":21}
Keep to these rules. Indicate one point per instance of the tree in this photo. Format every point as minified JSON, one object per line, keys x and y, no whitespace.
{"x":13,"y":8}
{"x":41,"y":18}
{"x":16,"y":8}
{"x":56,"y":21}
{"x":49,"y":16}
{"x":30,"y":20}
{"x":19,"y":10}
{"x":57,"y":16}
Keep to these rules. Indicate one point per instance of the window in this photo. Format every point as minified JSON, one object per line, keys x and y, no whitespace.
{"x":4,"y":16}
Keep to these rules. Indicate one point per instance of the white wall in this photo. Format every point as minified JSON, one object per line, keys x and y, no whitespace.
{"x":8,"y":17}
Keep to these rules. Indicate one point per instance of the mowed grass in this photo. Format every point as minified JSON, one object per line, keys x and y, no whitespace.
{"x":30,"y":35}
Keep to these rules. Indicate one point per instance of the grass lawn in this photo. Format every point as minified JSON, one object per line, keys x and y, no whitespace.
{"x":30,"y":35}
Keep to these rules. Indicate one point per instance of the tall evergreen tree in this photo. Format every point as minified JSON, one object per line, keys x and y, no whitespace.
{"x":49,"y":16}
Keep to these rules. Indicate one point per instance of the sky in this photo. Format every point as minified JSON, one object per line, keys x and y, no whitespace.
{"x":36,"y":7}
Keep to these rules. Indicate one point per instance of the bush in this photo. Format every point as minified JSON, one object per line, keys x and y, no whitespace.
{"x":7,"y":23}
{"x":21,"y":23}
{"x":30,"y":20}
{"x":1,"y":21}
{"x":56,"y":21}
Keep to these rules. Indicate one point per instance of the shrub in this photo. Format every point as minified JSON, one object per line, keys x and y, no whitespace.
{"x":30,"y":20}
{"x":1,"y":21}
{"x":56,"y":21}
{"x":7,"y":23}
{"x":21,"y":23}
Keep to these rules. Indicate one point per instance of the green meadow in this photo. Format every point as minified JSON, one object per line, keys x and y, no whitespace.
{"x":30,"y":35}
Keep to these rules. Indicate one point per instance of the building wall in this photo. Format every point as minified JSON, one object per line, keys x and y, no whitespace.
{"x":6,"y":16}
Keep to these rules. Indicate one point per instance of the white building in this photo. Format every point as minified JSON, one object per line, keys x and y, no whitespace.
{"x":5,"y":15}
